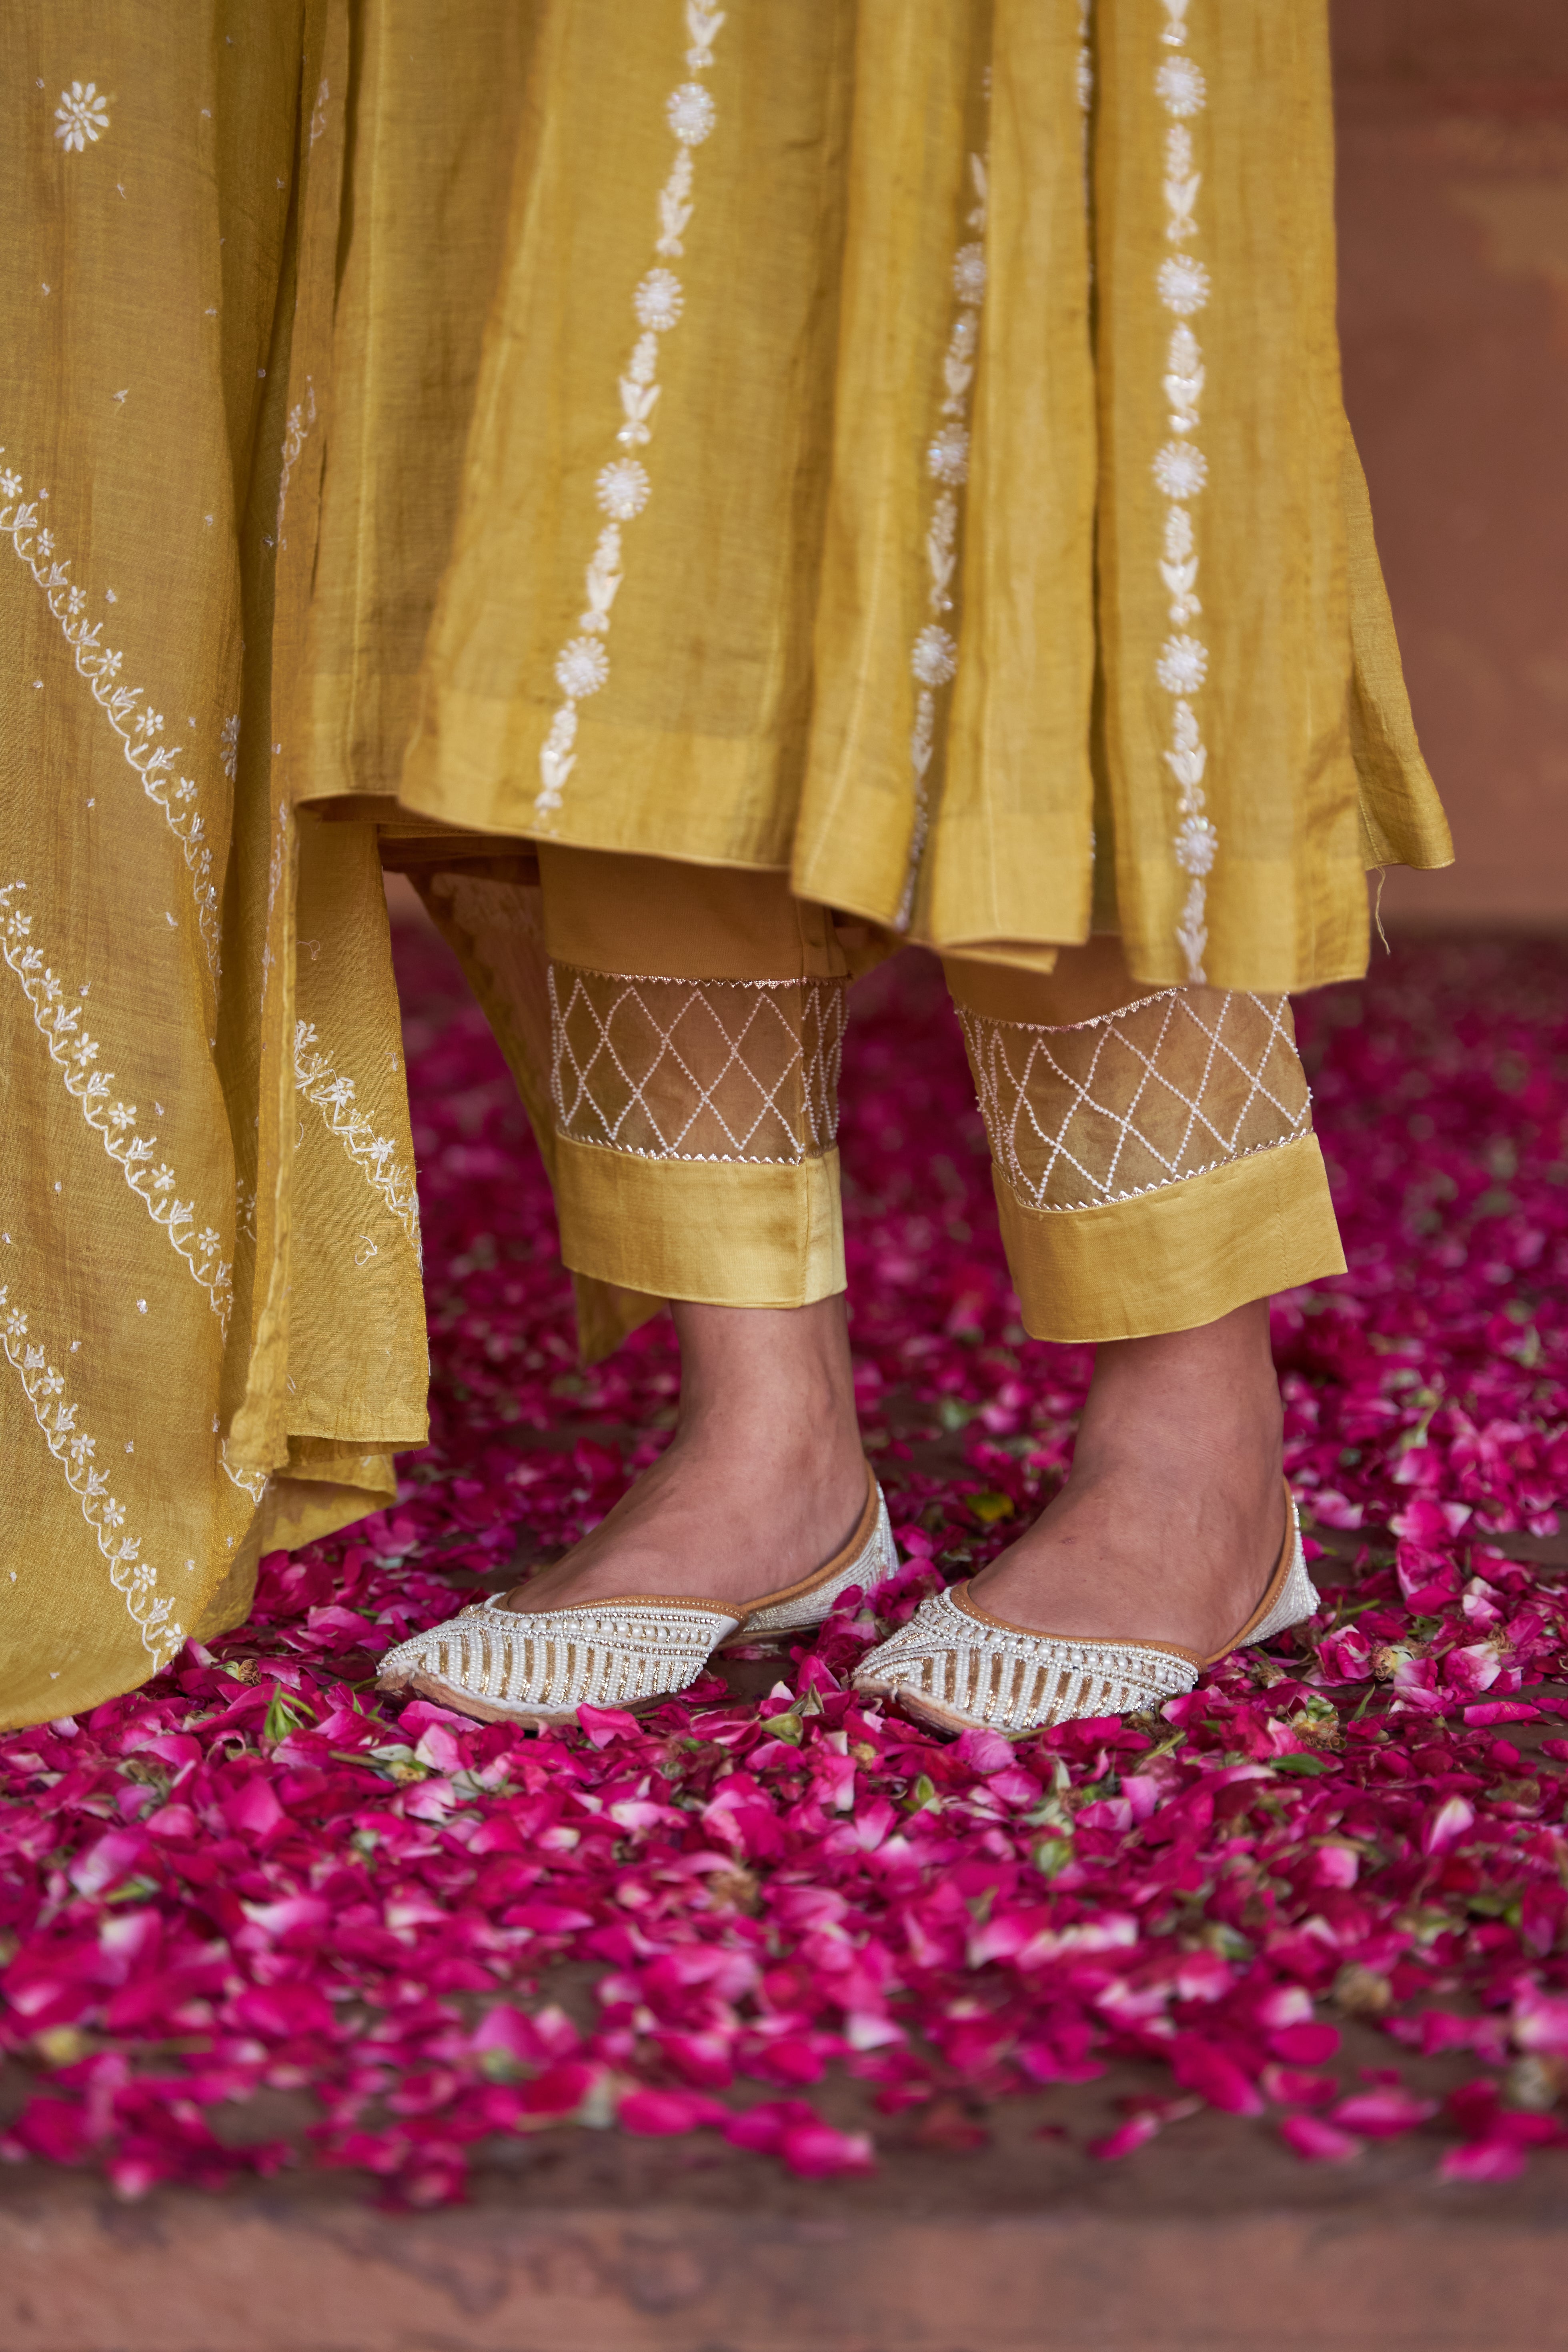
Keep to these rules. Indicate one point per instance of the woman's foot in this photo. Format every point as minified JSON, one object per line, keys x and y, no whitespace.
{"x":764,"y":1480}
{"x":1171,"y":1522}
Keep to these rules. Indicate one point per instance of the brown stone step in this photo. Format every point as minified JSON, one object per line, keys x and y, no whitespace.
{"x":1210,"y":2240}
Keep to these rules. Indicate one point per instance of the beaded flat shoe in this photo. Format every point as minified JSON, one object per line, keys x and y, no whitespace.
{"x":957,"y":1668}
{"x":537,"y":1668}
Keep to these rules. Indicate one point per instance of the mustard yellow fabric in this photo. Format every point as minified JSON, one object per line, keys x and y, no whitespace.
{"x":1153,"y":1168}
{"x":211,"y":1329}
{"x":819,"y":509}
{"x":1176,"y":1258}
{"x":734,"y":1233}
{"x":1153,"y":1158}
{"x":625,"y":914}
{"x":717,"y":994}
{"x":436,"y":108}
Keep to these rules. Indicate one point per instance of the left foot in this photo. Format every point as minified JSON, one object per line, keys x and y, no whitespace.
{"x":1170,"y":1525}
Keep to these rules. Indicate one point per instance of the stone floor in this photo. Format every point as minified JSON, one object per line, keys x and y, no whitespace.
{"x":1216,"y":2241}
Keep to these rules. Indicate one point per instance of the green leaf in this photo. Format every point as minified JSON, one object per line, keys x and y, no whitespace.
{"x":284,"y":1715}
{"x":1305,"y":1767}
{"x":989,"y":1509}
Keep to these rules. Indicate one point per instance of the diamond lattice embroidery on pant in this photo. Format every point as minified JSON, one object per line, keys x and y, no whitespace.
{"x":1172,"y":1086}
{"x":696,"y":1069}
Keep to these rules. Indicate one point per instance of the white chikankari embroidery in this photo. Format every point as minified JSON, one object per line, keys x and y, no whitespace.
{"x":74,"y":1052}
{"x":229,"y":738}
{"x":276,"y":867}
{"x":123,"y":706}
{"x":319,"y":114}
{"x":1180,"y":470}
{"x":623,"y":486}
{"x":82,"y":115}
{"x":250,"y":1482}
{"x":301,"y":416}
{"x":332,"y":1096}
{"x":933,"y":656}
{"x":73,"y":1449}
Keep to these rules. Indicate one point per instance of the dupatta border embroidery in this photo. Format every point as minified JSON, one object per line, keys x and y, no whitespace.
{"x":131,"y":1575}
{"x":124,"y":706}
{"x":375,"y":1155}
{"x":74,"y":1052}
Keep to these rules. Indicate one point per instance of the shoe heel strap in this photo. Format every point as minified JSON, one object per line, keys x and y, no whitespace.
{"x":866,"y":1562}
{"x":863,"y":1528}
{"x":1296,"y":1598}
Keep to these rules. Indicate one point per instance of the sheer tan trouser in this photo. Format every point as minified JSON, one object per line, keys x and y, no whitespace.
{"x":1153,"y":1150}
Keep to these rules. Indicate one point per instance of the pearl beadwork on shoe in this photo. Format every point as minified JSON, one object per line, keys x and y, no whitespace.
{"x":546,"y":1664}
{"x":1014,"y":1681}
{"x":539,"y":1666}
{"x":957,"y":1667}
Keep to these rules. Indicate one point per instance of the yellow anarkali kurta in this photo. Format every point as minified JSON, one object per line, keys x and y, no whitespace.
{"x":907,"y":445}
{"x":897,"y":446}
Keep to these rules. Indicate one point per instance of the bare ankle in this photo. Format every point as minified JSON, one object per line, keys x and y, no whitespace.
{"x":776,"y":1380}
{"x":1155,"y":1402}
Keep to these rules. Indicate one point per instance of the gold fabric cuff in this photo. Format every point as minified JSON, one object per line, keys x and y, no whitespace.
{"x":1171,"y":1259}
{"x":729,"y":1232}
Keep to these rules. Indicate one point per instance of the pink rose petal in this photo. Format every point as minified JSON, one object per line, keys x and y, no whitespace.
{"x":1317,"y":2142}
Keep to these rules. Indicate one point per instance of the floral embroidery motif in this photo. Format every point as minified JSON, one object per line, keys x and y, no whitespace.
{"x":277,"y":865}
{"x":74,"y":1052}
{"x":1180,"y":470}
{"x":623,"y":488}
{"x":332,"y":1096}
{"x":319,"y":114}
{"x":229,"y":738}
{"x":123,"y":706}
{"x":82,"y":115}
{"x":301,"y":416}
{"x":250,"y":1482}
{"x":933,"y":656}
{"x":73,"y":1449}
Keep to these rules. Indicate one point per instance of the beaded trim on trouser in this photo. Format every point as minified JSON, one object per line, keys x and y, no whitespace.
{"x":1182,"y":1082}
{"x":696,"y":1069}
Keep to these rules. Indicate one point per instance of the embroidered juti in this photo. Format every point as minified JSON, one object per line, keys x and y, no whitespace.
{"x":803,"y":477}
